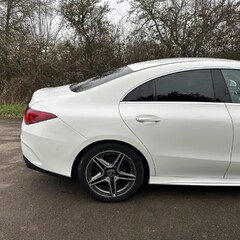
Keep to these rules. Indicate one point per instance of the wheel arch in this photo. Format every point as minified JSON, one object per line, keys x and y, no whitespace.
{"x":78,"y":158}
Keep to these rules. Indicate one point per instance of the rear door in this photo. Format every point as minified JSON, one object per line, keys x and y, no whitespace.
{"x":178,"y":119}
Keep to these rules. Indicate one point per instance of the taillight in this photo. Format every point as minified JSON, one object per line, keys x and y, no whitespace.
{"x":33,"y":116}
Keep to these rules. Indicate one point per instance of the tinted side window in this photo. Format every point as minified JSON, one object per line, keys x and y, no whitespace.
{"x":143,"y":93}
{"x":194,"y":86}
{"x":220,"y":87}
{"x":232,"y":79}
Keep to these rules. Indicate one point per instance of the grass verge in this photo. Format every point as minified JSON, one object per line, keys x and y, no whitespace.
{"x":12,"y":110}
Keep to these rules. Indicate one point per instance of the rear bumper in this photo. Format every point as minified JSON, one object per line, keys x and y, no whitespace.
{"x":51,"y":146}
{"x":34,"y":167}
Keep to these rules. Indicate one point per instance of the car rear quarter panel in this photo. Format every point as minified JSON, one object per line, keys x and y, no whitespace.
{"x":50,"y":145}
{"x":88,"y":123}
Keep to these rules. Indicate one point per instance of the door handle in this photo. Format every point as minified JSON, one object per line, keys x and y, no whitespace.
{"x":148,"y":119}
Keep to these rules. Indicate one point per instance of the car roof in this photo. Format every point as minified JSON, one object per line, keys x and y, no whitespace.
{"x":168,"y":61}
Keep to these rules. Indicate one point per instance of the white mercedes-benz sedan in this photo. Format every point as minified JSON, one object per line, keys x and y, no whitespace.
{"x":170,"y":121}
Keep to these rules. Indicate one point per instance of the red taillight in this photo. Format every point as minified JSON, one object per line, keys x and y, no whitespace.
{"x":33,"y":116}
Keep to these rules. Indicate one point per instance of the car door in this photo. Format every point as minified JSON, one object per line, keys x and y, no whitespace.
{"x":232,"y":80}
{"x":177,"y":118}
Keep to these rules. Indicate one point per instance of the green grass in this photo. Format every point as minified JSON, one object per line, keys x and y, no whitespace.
{"x":12,"y":110}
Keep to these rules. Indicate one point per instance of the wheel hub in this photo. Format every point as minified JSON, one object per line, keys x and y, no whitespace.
{"x":111,"y":173}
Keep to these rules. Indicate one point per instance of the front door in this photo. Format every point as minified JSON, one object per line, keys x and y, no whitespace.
{"x":232,"y":79}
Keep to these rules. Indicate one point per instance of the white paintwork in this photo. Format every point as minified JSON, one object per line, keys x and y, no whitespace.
{"x":188,"y":141}
{"x":51,"y":145}
{"x":46,"y":94}
{"x":197,"y":137}
{"x":161,"y":62}
{"x":194,"y":181}
{"x":234,"y":168}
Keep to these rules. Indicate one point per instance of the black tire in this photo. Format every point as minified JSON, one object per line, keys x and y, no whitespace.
{"x":111,"y":172}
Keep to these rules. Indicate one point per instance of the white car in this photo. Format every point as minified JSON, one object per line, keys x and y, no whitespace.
{"x":170,"y":121}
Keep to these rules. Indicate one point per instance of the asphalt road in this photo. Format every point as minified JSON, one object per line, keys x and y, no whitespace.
{"x":38,"y":206}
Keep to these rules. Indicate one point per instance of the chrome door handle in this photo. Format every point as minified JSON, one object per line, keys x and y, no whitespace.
{"x":148,"y":119}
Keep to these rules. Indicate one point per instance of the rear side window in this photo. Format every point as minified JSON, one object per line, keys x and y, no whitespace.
{"x":194,"y":86}
{"x":101,"y":79}
{"x":143,"y":93}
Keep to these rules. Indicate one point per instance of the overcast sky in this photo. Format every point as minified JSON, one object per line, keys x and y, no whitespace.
{"x":118,"y":10}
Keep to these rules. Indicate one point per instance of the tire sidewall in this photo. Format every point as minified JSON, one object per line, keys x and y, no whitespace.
{"x":133,"y":155}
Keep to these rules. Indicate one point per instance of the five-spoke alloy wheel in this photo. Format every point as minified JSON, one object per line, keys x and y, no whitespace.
{"x":111,"y":172}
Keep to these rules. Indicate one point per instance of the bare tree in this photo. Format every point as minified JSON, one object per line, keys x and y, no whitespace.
{"x":96,"y":37}
{"x":52,"y":42}
{"x":43,"y":31}
{"x":29,"y":33}
{"x":12,"y":18}
{"x":187,"y":28}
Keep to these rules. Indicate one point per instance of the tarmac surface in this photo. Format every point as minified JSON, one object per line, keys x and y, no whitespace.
{"x":37,"y":206}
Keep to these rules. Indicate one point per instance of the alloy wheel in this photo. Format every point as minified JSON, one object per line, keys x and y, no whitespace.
{"x":111,"y":174}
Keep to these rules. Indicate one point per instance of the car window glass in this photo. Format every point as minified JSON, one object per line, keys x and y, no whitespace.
{"x":101,"y":79}
{"x":232,"y":79}
{"x":220,"y":87}
{"x":143,"y":93}
{"x":194,"y":86}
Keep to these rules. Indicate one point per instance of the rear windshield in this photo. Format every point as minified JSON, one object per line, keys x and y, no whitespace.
{"x":101,"y":79}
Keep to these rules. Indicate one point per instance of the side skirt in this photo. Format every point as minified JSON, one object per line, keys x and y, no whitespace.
{"x":195,"y":181}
